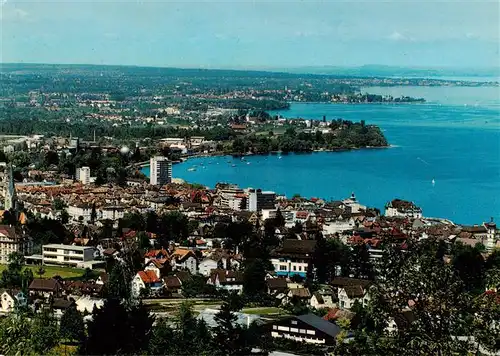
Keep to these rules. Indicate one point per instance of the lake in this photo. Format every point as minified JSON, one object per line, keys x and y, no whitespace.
{"x":453,"y":139}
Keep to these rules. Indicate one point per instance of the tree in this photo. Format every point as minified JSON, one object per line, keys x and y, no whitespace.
{"x":44,"y":332}
{"x":361,"y":266}
{"x":40,"y":271}
{"x":13,"y":276}
{"x":419,"y":280}
{"x":116,"y":330}
{"x":197,"y":286}
{"x":191,"y":336}
{"x":279,"y":219}
{"x":254,"y":277}
{"x":106,"y":231}
{"x":120,"y":278}
{"x":87,"y":274}
{"x":64,"y":216}
{"x":151,"y":222}
{"x":469,"y":264}
{"x":228,"y":335}
{"x":143,"y":240}
{"x":72,"y":326}
{"x":58,"y":204}
{"x":15,"y":335}
{"x":93,"y":214}
{"x":162,"y":339}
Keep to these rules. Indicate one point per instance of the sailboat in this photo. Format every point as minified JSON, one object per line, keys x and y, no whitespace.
{"x":433,"y":181}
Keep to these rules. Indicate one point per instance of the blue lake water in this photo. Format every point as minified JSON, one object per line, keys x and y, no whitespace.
{"x":454,"y":139}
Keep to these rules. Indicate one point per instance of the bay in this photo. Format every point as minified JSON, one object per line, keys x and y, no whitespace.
{"x":454,"y":140}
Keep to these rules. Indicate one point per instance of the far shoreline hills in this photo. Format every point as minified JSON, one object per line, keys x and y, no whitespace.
{"x":402,"y":76}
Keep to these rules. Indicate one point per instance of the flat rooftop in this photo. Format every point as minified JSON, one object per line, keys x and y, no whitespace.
{"x":68,"y":247}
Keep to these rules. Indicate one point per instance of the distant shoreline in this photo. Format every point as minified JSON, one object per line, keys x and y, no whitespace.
{"x":274,"y":153}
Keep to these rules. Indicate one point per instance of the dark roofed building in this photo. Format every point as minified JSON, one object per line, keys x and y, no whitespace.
{"x":293,"y":257}
{"x":45,"y":287}
{"x":173,"y":284}
{"x":276,"y":285}
{"x":308,"y":328}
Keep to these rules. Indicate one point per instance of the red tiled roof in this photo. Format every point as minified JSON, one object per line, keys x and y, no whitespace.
{"x":148,"y":277}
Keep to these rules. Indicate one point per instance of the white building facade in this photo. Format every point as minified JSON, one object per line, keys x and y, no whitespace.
{"x":160,"y":170}
{"x":83,"y":175}
{"x":68,"y":255}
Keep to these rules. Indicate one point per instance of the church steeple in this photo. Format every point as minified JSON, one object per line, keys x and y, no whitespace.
{"x":10,"y":190}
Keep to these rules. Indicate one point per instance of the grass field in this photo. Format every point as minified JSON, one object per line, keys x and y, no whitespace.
{"x":264,"y":311}
{"x":51,"y":271}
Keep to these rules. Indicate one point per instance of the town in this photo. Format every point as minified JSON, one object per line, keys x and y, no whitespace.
{"x":90,"y":255}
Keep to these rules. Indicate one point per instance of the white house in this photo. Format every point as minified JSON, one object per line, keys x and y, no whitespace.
{"x":228,"y":280}
{"x":112,"y":213}
{"x":86,"y":303}
{"x":319,"y":301}
{"x":10,"y":299}
{"x":348,"y":295}
{"x":337,"y":226}
{"x":146,"y":280}
{"x":77,"y":211}
{"x":184,"y":259}
{"x":207,"y":265}
{"x":402,"y":208}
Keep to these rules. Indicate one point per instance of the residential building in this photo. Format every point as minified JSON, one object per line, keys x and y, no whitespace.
{"x":12,"y":240}
{"x":226,"y":279}
{"x":173,"y":284}
{"x":112,"y":212}
{"x":146,"y":280}
{"x":353,"y":204}
{"x":9,"y":299}
{"x":80,"y":212}
{"x":230,"y":196}
{"x":308,"y":328}
{"x":322,"y":300}
{"x":68,"y":255}
{"x":184,"y":259}
{"x":159,"y":266}
{"x":491,"y":235}
{"x":160,"y":170}
{"x":208,"y":264}
{"x":83,"y":175}
{"x":293,"y":257}
{"x":258,"y":200}
{"x":348,"y":295}
{"x":299,"y":293}
{"x":276,"y":286}
{"x":402,"y":208}
{"x":45,"y":288}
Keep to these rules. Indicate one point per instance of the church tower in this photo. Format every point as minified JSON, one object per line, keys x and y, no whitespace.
{"x":10,"y":198}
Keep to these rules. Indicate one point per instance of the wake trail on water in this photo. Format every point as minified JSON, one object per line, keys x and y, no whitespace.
{"x":421,"y":160}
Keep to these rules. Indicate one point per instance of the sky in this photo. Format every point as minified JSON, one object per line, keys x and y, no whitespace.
{"x":252,"y":34}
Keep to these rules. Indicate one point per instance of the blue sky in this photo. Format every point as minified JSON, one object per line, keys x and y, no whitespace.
{"x":256,"y":34}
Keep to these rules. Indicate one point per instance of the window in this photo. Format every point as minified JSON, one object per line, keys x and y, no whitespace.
{"x":282,"y":268}
{"x":300,"y":268}
{"x":294,"y":268}
{"x":294,"y":322}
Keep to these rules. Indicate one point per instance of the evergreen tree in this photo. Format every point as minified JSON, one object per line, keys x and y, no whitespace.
{"x":254,"y":277}
{"x":108,"y":332}
{"x":44,"y":332}
{"x":120,"y":278}
{"x":162,"y":339}
{"x":361,"y":266}
{"x":93,"y":213}
{"x":72,"y":326}
{"x":228,"y":336}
